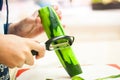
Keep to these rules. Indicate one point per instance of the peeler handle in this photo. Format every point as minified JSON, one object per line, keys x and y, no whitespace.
{"x":34,"y":52}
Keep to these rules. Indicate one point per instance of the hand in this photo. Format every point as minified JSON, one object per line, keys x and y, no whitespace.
{"x":58,"y":11}
{"x":16,"y":51}
{"x":30,"y":26}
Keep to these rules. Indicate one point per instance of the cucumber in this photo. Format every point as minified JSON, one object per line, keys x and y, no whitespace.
{"x":54,"y":28}
{"x":96,"y":1}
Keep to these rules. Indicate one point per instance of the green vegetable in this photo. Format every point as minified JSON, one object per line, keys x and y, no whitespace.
{"x":103,"y":1}
{"x":96,"y":1}
{"x":49,"y":79}
{"x":53,"y":28}
{"x":77,"y":78}
{"x":109,"y":77}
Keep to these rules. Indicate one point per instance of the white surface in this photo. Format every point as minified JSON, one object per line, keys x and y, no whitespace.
{"x":86,"y":17}
{"x":49,"y":67}
{"x":99,"y":71}
{"x":90,"y":72}
{"x":98,"y":52}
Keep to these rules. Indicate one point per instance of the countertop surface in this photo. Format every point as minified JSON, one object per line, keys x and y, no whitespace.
{"x":56,"y":72}
{"x":50,"y":67}
{"x":93,"y":58}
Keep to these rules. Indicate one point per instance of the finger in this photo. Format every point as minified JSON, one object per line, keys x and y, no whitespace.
{"x":63,"y":25}
{"x":39,"y":25}
{"x":38,"y":20}
{"x":29,"y":59}
{"x":35,"y":14}
{"x":55,"y":7}
{"x":39,"y":48}
{"x":42,"y":51}
{"x":10,"y":65}
{"x":20,"y":65}
{"x":58,"y":12}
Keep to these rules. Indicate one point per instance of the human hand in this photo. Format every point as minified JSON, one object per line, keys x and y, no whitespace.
{"x":16,"y":51}
{"x":30,"y":26}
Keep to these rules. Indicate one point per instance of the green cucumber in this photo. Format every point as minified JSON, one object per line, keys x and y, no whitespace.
{"x":96,"y":1}
{"x":109,"y":77}
{"x":54,"y":28}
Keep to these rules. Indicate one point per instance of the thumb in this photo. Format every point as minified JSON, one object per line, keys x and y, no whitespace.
{"x":36,"y":17}
{"x":35,"y":14}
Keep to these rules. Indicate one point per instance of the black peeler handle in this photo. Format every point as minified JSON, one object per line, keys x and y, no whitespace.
{"x":34,"y":52}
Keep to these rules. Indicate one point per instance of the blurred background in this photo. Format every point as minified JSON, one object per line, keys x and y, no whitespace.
{"x":95,"y":24}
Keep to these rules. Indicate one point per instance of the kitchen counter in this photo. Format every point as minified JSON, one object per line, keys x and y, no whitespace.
{"x":96,"y":59}
{"x":56,"y":72}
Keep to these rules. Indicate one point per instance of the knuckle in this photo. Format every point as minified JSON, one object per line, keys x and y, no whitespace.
{"x":22,"y":58}
{"x":30,"y":62}
{"x":12,"y":65}
{"x":42,"y":54}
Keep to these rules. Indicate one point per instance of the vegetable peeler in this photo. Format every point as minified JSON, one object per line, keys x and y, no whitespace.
{"x":49,"y":44}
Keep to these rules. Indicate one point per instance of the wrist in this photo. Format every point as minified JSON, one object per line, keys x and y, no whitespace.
{"x":15,"y":29}
{"x":6,"y":26}
{"x":11,"y":29}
